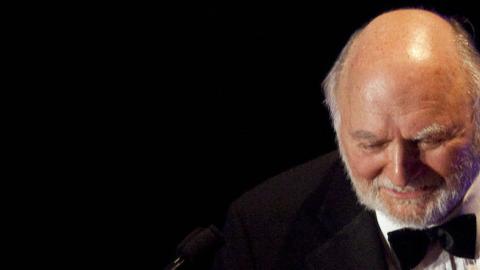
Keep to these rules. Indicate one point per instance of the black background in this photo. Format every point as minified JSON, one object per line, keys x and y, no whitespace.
{"x":240,"y":102}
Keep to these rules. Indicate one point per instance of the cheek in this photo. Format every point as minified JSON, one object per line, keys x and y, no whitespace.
{"x":444,"y":160}
{"x":364,"y":166}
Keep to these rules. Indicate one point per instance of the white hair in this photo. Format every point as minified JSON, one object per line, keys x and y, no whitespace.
{"x":470,"y":59}
{"x":331,"y":81}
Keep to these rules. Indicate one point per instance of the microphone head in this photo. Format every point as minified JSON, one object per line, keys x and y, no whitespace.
{"x":200,"y":243}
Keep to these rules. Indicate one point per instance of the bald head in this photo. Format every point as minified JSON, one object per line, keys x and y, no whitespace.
{"x":405,"y":35}
{"x":409,"y":43}
{"x":409,"y":40}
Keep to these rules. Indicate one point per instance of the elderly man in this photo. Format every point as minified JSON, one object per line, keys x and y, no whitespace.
{"x":404,"y":98}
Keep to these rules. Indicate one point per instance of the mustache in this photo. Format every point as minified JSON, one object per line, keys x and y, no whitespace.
{"x":413,"y":184}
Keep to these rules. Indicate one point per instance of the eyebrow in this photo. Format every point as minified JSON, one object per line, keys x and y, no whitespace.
{"x":432,"y":130}
{"x":363,"y":135}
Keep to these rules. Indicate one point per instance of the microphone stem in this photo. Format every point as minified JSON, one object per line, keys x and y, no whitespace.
{"x":175,"y":264}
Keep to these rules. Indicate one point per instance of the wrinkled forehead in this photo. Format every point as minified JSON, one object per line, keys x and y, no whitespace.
{"x":402,"y":85}
{"x":406,"y":97}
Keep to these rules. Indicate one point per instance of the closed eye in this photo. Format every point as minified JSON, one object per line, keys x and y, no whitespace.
{"x":372,"y":146}
{"x":432,"y":142}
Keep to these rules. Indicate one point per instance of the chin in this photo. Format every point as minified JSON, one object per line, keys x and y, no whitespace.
{"x":429,"y":209}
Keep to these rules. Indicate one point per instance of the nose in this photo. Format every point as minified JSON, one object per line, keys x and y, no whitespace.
{"x":403,"y":163}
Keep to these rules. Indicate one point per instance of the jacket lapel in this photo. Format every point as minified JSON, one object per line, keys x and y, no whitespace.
{"x":359,"y":245}
{"x":332,"y":231}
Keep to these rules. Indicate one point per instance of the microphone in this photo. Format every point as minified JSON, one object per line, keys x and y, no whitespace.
{"x":198,"y":244}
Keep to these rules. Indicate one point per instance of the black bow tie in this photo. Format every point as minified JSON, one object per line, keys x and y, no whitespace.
{"x":457,"y":236}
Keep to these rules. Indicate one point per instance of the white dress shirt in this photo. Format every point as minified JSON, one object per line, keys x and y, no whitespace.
{"x":436,"y":257}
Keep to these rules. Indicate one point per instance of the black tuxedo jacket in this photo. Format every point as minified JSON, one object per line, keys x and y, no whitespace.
{"x":305,"y":218}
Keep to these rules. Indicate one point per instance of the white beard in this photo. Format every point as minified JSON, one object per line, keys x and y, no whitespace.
{"x":421,"y":212}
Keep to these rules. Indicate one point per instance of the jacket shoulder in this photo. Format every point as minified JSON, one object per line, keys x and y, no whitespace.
{"x":283,"y":194}
{"x":258,"y":222}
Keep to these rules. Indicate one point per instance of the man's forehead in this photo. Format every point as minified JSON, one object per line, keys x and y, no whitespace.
{"x":401,"y":93}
